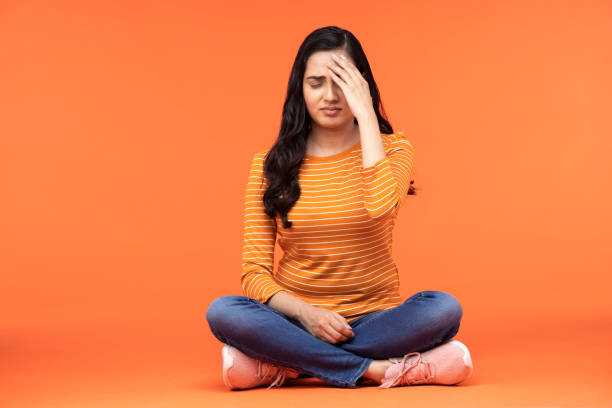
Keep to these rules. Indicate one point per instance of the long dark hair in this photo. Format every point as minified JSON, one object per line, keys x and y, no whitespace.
{"x":284,"y":159}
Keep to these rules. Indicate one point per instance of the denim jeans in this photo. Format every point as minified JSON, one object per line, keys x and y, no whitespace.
{"x":423,"y":321}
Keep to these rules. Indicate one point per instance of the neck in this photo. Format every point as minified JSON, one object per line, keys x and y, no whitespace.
{"x":323,"y":140}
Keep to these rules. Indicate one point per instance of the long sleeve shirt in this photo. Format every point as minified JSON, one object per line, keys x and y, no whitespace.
{"x":337,"y":253}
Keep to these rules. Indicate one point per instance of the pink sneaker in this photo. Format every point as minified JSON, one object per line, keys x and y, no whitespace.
{"x":448,"y":363}
{"x":241,"y":371}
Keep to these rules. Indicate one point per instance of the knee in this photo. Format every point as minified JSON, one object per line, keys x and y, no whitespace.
{"x":448,"y":307}
{"x":233,"y":317}
{"x":220,"y":309}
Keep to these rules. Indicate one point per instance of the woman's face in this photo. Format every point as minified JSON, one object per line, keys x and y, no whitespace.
{"x":320,"y":91}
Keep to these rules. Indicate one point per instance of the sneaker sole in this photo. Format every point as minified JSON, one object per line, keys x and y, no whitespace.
{"x":228,"y":361}
{"x":467,"y":358}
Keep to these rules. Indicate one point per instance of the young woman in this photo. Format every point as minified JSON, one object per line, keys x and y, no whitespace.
{"x":331,"y":187}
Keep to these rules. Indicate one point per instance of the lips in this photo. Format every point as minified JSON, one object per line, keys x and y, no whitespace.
{"x":331,"y":112}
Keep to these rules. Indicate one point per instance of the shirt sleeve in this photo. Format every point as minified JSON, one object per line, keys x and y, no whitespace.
{"x":259,"y":238}
{"x":387,"y":181}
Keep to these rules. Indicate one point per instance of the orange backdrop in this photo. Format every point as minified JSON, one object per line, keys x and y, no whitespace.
{"x":126,"y":133}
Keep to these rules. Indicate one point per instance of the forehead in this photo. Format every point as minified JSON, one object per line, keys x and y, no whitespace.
{"x":317,"y":62}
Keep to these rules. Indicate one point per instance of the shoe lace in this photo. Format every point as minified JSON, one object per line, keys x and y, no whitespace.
{"x":280,"y":375}
{"x":423,"y":374}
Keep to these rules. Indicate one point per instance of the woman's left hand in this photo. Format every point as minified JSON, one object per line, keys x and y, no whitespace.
{"x":354,"y":86}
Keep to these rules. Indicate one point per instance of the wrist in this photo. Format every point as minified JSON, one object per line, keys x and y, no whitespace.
{"x":367,"y":118}
{"x":301,"y":309}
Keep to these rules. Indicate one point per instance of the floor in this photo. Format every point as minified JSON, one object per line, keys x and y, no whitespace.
{"x":178,"y":364}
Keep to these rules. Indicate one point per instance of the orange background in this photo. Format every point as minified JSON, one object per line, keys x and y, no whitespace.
{"x":126,"y":133}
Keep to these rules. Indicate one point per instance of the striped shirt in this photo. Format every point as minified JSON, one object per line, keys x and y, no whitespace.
{"x":337,"y":254}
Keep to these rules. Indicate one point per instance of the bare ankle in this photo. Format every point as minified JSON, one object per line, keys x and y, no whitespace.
{"x":376,"y":370}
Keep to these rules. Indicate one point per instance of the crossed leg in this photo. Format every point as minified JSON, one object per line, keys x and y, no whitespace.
{"x":421,"y":322}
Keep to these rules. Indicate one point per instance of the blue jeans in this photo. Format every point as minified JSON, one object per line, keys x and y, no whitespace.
{"x":423,"y":321}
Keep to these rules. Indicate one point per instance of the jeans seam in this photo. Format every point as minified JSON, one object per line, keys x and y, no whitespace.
{"x":362,"y":369}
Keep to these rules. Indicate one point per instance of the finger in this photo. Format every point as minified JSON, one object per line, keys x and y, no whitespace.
{"x":321,"y":335}
{"x":337,"y":79}
{"x":328,"y":339}
{"x":356,"y":75}
{"x":349,"y":66}
{"x":325,"y":333}
{"x":341,"y":326}
{"x":350,"y":69}
{"x":334,"y":334}
{"x":338,"y":71}
{"x":342,"y":320}
{"x":346,"y":328}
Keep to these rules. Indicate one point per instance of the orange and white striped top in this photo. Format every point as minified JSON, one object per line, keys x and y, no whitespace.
{"x":337,"y":254}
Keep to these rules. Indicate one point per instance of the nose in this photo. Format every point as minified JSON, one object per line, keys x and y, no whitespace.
{"x":332,"y":91}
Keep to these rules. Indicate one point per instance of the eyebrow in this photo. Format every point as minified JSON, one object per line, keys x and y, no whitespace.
{"x":316,"y":77}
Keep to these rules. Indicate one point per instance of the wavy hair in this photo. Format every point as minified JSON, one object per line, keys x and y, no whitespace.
{"x":285,"y":157}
